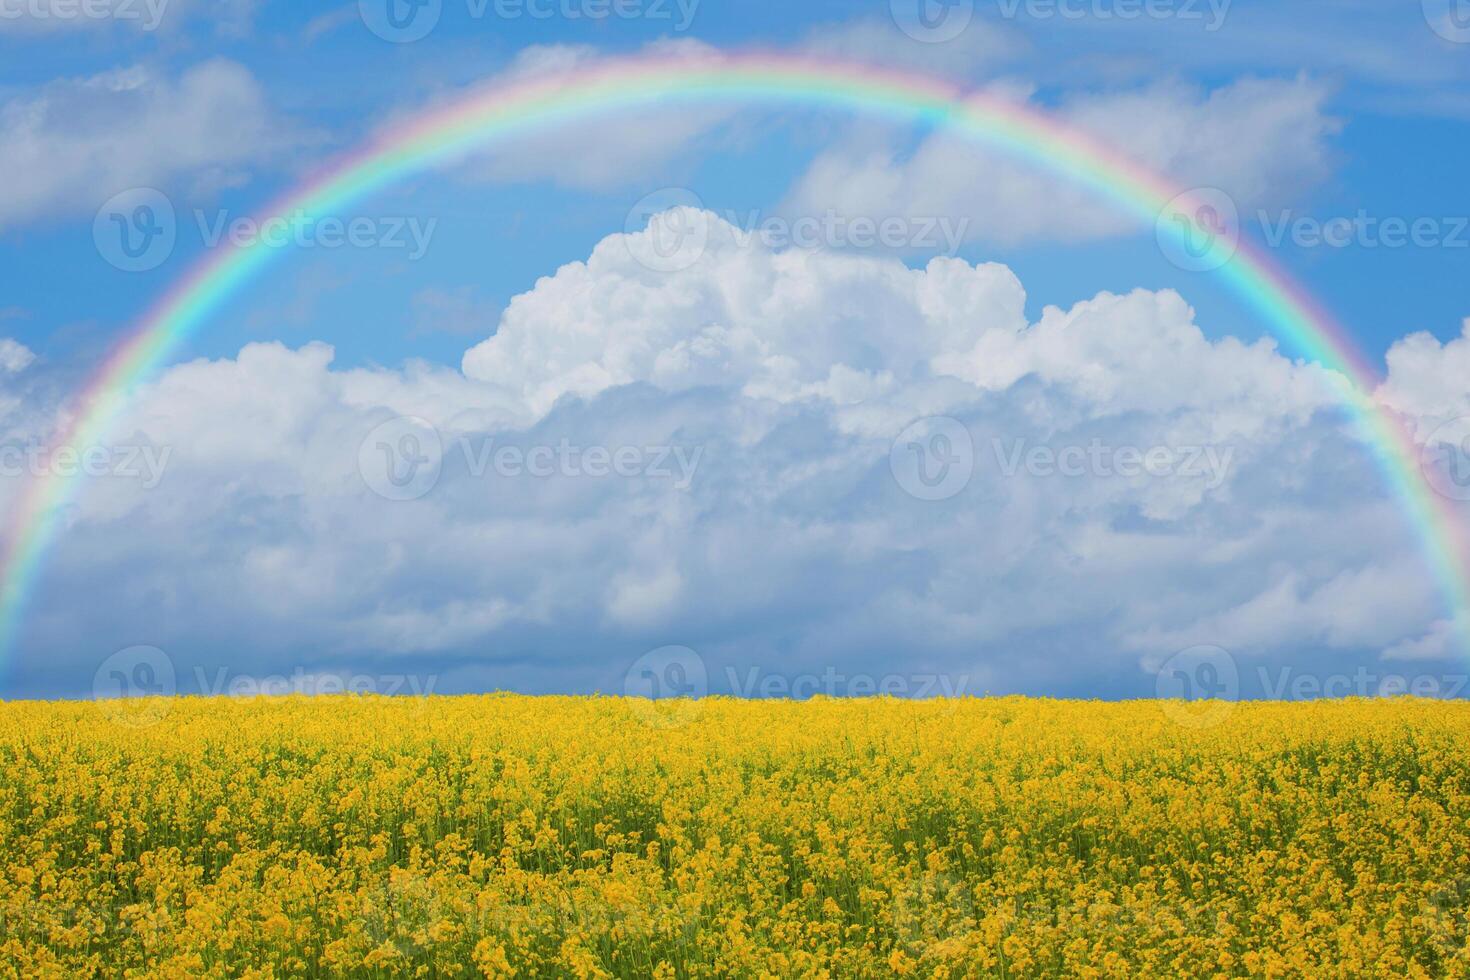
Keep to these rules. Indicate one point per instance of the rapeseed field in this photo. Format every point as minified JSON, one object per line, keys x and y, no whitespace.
{"x":603,"y":837}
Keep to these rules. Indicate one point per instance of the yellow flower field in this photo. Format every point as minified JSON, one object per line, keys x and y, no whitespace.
{"x":600,"y":837}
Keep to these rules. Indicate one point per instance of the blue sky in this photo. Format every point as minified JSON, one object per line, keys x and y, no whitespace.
{"x":797,"y":548}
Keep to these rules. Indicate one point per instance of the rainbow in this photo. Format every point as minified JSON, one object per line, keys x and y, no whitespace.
{"x":500,"y":110}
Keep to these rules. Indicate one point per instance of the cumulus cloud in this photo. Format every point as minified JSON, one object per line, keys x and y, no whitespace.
{"x":765,"y":517}
{"x":1427,"y":379}
{"x":782,"y":325}
{"x":70,"y":145}
{"x":1259,"y":140}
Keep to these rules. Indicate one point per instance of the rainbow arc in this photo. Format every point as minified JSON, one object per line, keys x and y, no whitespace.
{"x":502,"y":111}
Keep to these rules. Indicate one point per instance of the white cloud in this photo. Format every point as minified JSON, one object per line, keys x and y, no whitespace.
{"x":983,"y":46}
{"x":1443,"y":641}
{"x":1371,"y":606}
{"x":628,"y":145}
{"x":793,"y":546}
{"x":14,"y":356}
{"x":72,"y":144}
{"x":1384,"y":52}
{"x":1429,"y":380}
{"x":778,"y":324}
{"x":1093,"y":350}
{"x":1259,"y":140}
{"x":330,"y":21}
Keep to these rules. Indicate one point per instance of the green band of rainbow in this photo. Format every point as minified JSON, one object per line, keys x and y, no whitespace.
{"x":499,"y":111}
